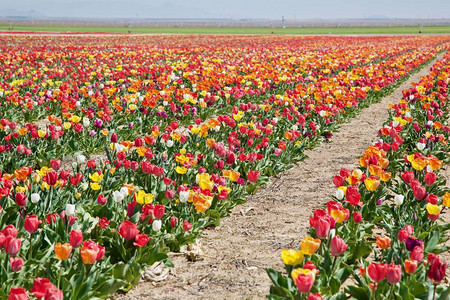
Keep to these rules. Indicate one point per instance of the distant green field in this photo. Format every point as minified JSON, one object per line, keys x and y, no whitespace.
{"x":240,"y":30}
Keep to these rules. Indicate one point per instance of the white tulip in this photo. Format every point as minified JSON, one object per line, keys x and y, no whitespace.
{"x":70,"y":209}
{"x":184,"y":196}
{"x":169,"y":143}
{"x":35,"y":197}
{"x":84,"y":186}
{"x":398,"y":199}
{"x":421,"y":146}
{"x":156,"y":225}
{"x":81,"y":159}
{"x":295,"y":127}
{"x":124,"y":191}
{"x":117,"y":196}
{"x":86,"y":122}
{"x":339,"y":194}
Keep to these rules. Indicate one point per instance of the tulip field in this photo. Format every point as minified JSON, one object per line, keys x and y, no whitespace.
{"x":117,"y":150}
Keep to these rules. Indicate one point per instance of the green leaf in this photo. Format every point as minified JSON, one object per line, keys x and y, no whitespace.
{"x":359,"y":293}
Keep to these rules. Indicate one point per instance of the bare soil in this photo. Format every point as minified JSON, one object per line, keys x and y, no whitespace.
{"x":276,"y":217}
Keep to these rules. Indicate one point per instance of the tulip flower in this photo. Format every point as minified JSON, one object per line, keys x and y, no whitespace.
{"x":337,"y":246}
{"x":322,"y":227}
{"x":21,"y":199}
{"x":437,"y":270}
{"x":62,"y":251}
{"x":91,"y":252}
{"x":16,"y":263}
{"x":17,"y":293}
{"x":383,"y":242}
{"x":128,"y":230}
{"x":187,"y":226}
{"x":394,"y":273}
{"x":353,"y":196}
{"x":410,"y":266}
{"x":12,"y":246}
{"x":76,"y":238}
{"x":40,"y":287}
{"x":304,"y":279}
{"x":291,"y":257}
{"x":31,"y":223}
{"x":377,"y":271}
{"x":309,"y":245}
{"x":141,"y":240}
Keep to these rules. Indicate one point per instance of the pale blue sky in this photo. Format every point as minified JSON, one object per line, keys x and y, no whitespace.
{"x":301,"y":9}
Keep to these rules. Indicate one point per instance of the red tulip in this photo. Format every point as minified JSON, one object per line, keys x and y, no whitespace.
{"x":76,"y":238}
{"x":40,"y":287}
{"x":417,"y":253}
{"x":357,"y":217}
{"x":419,"y":192}
{"x":51,"y":178}
{"x":305,"y":282}
{"x":252,"y":176}
{"x":17,"y":293}
{"x":322,"y":228}
{"x":103,"y":223}
{"x":12,"y":245}
{"x":101,"y":200}
{"x":158,"y":211}
{"x":437,"y":271}
{"x":173,"y":221}
{"x":141,"y":240}
{"x":430,"y":178}
{"x":16,"y":263}
{"x":31,"y":223}
{"x":187,"y":226}
{"x":353,"y":196}
{"x":407,"y":176}
{"x":377,"y":271}
{"x":21,"y":199}
{"x":314,"y":296}
{"x":337,"y":246}
{"x":394,"y":273}
{"x":338,"y":181}
{"x":128,"y":230}
{"x":53,"y":294}
{"x":55,"y":164}
{"x":114,"y":137}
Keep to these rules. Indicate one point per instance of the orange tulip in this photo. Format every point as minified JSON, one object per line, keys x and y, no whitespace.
{"x":62,"y":251}
{"x":383,"y":242}
{"x":309,"y":245}
{"x":410,"y":266}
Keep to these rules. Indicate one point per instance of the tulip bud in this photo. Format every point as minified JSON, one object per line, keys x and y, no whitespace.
{"x":114,"y":137}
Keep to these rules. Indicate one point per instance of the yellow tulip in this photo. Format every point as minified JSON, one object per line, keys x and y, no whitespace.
{"x":309,"y":245}
{"x":433,"y":209}
{"x":291,"y":257}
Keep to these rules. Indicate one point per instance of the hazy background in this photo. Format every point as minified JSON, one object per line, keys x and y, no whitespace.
{"x":207,"y":9}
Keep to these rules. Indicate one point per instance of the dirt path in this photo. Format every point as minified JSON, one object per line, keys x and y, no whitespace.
{"x":276,"y":217}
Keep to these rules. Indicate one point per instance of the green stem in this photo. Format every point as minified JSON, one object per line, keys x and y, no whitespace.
{"x":390,"y":292}
{"x":334,"y":265}
{"x":434,"y":292}
{"x":59,"y":275}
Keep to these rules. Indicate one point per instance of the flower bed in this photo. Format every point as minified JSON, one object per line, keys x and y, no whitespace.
{"x":381,"y":234}
{"x":86,"y":228}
